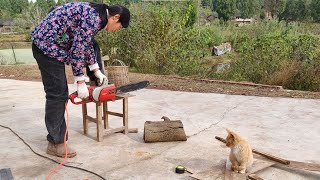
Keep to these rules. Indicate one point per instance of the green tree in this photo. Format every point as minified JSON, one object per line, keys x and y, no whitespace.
{"x":315,"y":10}
{"x":51,"y":4}
{"x":17,"y":6}
{"x":248,"y":8}
{"x":42,"y":4}
{"x":60,"y":2}
{"x":207,"y":3}
{"x":12,"y":8}
{"x":214,"y":5}
{"x":31,"y":16}
{"x":226,"y":9}
{"x":275,"y":7}
{"x":295,"y":10}
{"x":191,"y":15}
{"x":5,"y":9}
{"x":262,"y":14}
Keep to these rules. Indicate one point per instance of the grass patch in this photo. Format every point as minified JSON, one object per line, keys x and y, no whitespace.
{"x":13,"y":38}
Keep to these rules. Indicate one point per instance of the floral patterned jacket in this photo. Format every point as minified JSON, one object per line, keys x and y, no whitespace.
{"x":67,"y":34}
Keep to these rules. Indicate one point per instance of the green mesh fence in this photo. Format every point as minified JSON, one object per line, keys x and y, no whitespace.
{"x":16,"y":56}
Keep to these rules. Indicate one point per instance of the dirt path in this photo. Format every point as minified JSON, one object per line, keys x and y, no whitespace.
{"x":175,"y":83}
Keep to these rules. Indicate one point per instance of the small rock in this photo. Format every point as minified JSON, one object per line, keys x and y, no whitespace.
{"x":11,"y":75}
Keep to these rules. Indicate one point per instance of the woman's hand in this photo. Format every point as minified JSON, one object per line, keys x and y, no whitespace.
{"x":82,"y":90}
{"x":102,"y":78}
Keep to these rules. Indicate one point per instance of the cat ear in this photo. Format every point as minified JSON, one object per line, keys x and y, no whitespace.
{"x":231,"y":133}
{"x":228,"y":130}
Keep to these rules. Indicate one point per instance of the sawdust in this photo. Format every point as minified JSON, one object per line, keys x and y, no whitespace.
{"x":139,"y":153}
{"x":174,"y":83}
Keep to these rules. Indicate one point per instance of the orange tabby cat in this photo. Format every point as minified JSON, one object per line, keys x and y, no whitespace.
{"x":241,"y":153}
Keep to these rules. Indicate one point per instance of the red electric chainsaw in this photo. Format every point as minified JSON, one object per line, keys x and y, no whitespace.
{"x":107,"y":92}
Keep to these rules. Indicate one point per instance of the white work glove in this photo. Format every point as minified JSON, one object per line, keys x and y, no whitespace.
{"x":82,"y":90}
{"x":85,"y":79}
{"x":102,"y":78}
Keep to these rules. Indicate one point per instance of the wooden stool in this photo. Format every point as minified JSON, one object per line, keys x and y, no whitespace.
{"x":102,"y":112}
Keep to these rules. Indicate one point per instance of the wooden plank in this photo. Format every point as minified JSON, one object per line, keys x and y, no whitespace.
{"x":209,"y":174}
{"x":254,"y":177}
{"x":269,"y":156}
{"x":304,"y":166}
{"x":114,"y":113}
{"x":91,"y":119}
{"x":125,"y":114}
{"x":231,"y":175}
{"x":220,"y":139}
{"x":99,"y":121}
{"x":219,"y":172}
{"x":130,"y":130}
{"x":287,"y":163}
{"x":115,"y":130}
{"x":84,"y":118}
{"x":133,"y":130}
{"x":105,"y":115}
{"x":274,"y":158}
{"x":259,"y":165}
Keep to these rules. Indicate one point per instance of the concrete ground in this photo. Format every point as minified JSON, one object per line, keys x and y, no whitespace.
{"x":288,"y":128}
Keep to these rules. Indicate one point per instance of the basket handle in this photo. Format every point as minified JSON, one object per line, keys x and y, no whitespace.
{"x":119,"y":61}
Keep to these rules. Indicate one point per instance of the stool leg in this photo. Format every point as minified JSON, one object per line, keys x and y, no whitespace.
{"x":125,"y":114}
{"x":84,"y":118}
{"x":105,"y":115}
{"x":99,"y":121}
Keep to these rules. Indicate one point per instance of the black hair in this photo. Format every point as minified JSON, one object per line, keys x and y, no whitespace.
{"x":101,"y":9}
{"x":113,"y":10}
{"x":123,"y":12}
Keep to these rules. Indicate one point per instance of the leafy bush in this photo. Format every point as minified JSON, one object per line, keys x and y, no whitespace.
{"x":161,"y":40}
{"x":158,"y":40}
{"x":280,"y":57}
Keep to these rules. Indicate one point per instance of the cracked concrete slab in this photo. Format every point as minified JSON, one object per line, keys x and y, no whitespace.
{"x":285,"y":127}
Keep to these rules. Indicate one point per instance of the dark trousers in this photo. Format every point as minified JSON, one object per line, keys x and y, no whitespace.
{"x":55,"y":86}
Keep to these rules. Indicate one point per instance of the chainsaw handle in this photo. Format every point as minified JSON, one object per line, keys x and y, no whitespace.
{"x":104,"y":82}
{"x":74,"y":95}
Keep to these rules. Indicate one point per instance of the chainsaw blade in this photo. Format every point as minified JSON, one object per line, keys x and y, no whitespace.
{"x":132,"y":87}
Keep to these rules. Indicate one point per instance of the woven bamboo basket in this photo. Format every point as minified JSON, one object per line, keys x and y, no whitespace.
{"x":118,"y":74}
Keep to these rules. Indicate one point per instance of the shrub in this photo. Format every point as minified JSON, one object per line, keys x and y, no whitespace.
{"x":158,"y":41}
{"x":279,"y":57}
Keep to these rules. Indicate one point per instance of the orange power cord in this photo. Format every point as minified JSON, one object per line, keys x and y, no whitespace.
{"x":53,"y":160}
{"x":65,"y":146}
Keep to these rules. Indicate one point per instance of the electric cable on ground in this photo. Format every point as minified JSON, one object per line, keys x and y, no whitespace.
{"x":82,"y":169}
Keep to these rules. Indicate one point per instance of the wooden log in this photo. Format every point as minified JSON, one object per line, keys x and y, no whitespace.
{"x":164,"y":131}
